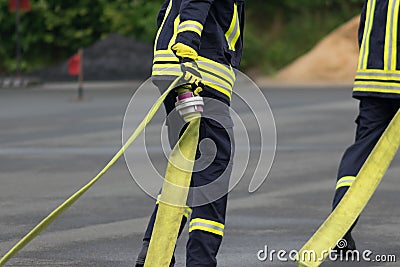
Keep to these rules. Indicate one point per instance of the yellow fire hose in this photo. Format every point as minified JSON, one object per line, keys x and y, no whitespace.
{"x":173,"y":198}
{"x":64,"y":206}
{"x":354,"y":201}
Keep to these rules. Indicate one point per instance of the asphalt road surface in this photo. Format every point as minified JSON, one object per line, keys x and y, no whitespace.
{"x":51,"y":145}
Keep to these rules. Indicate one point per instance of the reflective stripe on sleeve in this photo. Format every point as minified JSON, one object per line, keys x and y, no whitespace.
{"x":190,"y":25}
{"x":165,"y":57}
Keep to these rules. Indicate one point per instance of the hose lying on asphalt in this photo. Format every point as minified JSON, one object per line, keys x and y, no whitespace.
{"x":355,"y":200}
{"x":64,"y":206}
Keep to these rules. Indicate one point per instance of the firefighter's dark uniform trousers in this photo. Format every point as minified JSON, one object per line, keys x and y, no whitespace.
{"x":214,"y":29}
{"x":374,"y":116}
{"x":377,"y":86}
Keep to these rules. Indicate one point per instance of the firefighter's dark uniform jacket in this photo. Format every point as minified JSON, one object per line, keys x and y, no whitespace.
{"x":377,"y":86}
{"x":212,"y":28}
{"x":378,"y":73}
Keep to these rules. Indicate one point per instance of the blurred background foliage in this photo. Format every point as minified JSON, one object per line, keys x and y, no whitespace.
{"x":277,"y":31}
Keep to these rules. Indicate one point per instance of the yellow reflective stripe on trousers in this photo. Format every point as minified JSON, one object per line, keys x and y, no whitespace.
{"x":190,"y":25}
{"x":233,"y":33}
{"x":207,"y":226}
{"x":369,"y":20}
{"x":345,"y":181}
{"x":390,"y":55}
{"x":356,"y":198}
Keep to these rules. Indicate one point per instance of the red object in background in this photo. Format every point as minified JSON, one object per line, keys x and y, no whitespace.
{"x":24,"y":5}
{"x":74,"y":65}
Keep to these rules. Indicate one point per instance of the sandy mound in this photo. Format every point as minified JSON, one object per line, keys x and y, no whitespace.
{"x":333,"y":59}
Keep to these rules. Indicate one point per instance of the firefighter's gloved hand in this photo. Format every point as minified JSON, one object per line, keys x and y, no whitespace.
{"x":191,"y":75}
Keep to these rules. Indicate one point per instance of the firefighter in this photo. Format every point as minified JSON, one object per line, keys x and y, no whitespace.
{"x":203,"y":41}
{"x":377,"y":87}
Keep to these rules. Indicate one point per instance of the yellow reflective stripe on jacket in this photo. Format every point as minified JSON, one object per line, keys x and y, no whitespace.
{"x":369,"y":20}
{"x":345,"y":181}
{"x":373,"y":87}
{"x":215,"y":75}
{"x":378,"y":84}
{"x":208,"y":80}
{"x":176,"y":26}
{"x":165,"y":57}
{"x":167,"y":69}
{"x":375,"y":74}
{"x":390,"y":57}
{"x":212,"y":82}
{"x":211,"y":76}
{"x":207,"y":226}
{"x":220,"y":69}
{"x":162,"y":24}
{"x":190,"y":25}
{"x":387,"y":79}
{"x":379,"y":81}
{"x":377,"y":90}
{"x":233,"y":33}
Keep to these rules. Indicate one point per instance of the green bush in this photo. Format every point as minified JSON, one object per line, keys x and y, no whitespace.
{"x":53,"y":30}
{"x":277,"y":31}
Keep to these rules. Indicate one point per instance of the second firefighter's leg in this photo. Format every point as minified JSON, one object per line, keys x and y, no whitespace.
{"x":374,"y":116}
